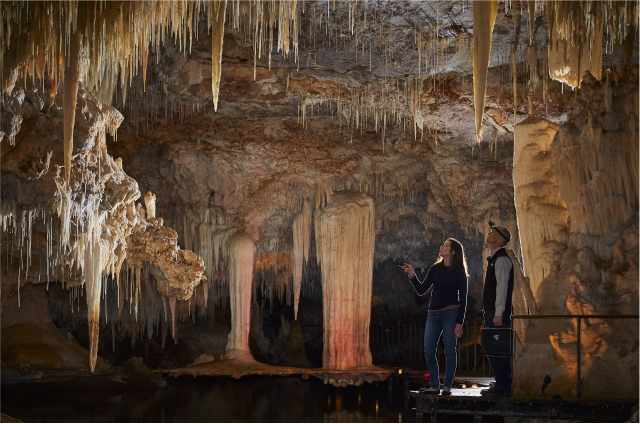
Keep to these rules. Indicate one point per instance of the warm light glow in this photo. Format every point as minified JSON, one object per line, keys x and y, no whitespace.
{"x":464,"y":386}
{"x":474,"y":386}
{"x":400,"y":371}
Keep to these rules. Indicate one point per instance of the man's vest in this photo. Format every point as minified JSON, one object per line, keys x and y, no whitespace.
{"x":490,"y":283}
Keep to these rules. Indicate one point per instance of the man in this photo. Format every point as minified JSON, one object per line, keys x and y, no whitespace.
{"x":496,"y":301}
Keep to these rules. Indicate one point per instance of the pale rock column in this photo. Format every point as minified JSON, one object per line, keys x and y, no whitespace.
{"x":542,"y":214}
{"x":345,"y":240}
{"x":240,"y":252}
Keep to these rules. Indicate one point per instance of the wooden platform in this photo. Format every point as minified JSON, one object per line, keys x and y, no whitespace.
{"x":235,"y":368}
{"x":469,"y":402}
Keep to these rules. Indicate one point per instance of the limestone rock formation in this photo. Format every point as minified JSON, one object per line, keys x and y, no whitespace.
{"x":345,"y":237}
{"x":241,"y":264}
{"x":99,"y":226}
{"x":542,"y":214}
{"x":593,"y":162}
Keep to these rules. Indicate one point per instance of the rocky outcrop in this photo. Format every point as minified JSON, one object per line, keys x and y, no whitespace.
{"x":97,"y":226}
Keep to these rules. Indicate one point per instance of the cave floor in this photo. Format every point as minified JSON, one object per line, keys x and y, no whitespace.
{"x":237,"y":369}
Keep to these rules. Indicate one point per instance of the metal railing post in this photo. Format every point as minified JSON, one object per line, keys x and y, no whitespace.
{"x":579,"y":385}
{"x":475,"y":345}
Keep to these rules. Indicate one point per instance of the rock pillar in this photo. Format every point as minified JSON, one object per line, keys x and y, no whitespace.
{"x":241,"y":254}
{"x":345,"y":240}
{"x":542,"y":214}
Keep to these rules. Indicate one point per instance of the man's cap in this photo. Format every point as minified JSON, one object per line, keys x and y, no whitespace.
{"x":505,"y":234}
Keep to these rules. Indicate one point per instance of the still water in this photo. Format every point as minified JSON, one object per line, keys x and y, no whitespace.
{"x":208,"y":399}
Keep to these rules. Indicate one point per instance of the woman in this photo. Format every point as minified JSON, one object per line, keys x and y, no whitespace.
{"x":447,"y":278}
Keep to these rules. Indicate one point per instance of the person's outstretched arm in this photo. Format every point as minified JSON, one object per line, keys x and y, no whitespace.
{"x":421,"y":287}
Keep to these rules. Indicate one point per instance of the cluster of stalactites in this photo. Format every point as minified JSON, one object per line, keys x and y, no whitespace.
{"x":206,"y":233}
{"x":116,"y":37}
{"x":576,"y":31}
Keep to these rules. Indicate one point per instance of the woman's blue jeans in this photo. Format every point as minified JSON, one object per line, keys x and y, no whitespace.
{"x":441,"y":322}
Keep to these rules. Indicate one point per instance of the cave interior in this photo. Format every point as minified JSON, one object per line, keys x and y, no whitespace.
{"x":221,"y":187}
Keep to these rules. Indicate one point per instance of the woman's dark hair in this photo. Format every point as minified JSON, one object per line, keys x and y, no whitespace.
{"x":458,"y":260}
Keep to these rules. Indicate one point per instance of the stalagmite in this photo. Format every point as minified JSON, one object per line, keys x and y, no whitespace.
{"x":217,"y":37}
{"x":174,"y":318}
{"x":345,"y":240}
{"x":542,"y":214}
{"x":301,"y":244}
{"x":70,"y":95}
{"x":240,"y":254}
{"x":150,"y":205}
{"x":484,"y":18}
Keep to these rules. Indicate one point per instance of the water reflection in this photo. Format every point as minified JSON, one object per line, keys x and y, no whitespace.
{"x":206,"y":399}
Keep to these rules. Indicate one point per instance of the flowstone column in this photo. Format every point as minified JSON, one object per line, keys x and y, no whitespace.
{"x":240,"y":253}
{"x":345,"y":240}
{"x":542,"y":214}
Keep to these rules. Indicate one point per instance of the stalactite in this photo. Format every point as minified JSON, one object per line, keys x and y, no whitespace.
{"x":174,"y":318}
{"x":484,"y":18}
{"x":241,"y":254}
{"x":575,"y":41}
{"x":70,"y":95}
{"x":301,"y":245}
{"x":93,"y":278}
{"x":345,"y":239}
{"x":217,"y":37}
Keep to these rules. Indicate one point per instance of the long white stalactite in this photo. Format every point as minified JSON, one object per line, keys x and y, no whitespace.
{"x":484,"y":18}
{"x":301,"y":245}
{"x":218,"y":12}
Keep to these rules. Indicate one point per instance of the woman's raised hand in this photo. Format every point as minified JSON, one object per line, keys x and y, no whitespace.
{"x":408,"y":269}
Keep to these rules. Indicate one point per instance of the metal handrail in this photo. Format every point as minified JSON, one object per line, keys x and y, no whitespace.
{"x":579,"y":317}
{"x":411,"y":334}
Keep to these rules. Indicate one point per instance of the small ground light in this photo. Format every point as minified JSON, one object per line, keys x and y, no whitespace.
{"x":474,"y":386}
{"x":464,"y":386}
{"x":400,"y":371}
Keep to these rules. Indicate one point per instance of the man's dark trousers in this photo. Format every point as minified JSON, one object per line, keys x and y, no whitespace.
{"x":500,"y":365}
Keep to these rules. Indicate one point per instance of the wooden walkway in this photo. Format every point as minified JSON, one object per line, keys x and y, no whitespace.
{"x":469,"y":402}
